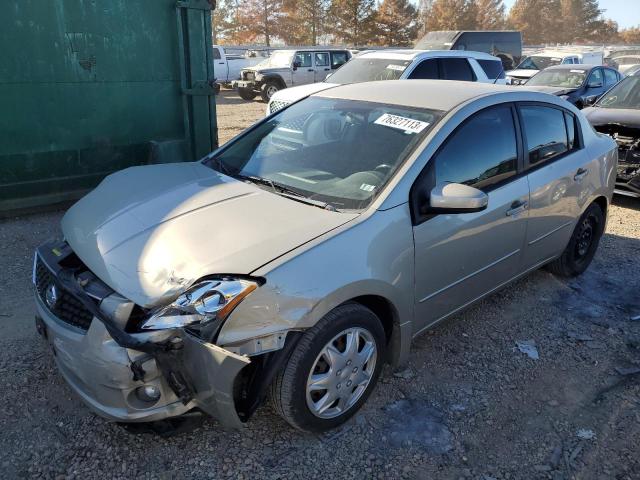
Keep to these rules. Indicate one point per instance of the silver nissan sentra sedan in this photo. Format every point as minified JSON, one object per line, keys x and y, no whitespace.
{"x":297,"y":259}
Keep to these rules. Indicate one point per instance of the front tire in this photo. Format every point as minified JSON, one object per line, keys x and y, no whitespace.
{"x":268,"y":90}
{"x":582,"y":246}
{"x":246,"y":93}
{"x":332,"y":371}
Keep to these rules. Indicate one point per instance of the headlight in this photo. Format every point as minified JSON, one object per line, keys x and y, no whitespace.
{"x":564,"y":97}
{"x":201,"y":304}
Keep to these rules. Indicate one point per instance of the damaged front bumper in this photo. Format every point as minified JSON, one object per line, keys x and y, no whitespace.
{"x":131,"y":377}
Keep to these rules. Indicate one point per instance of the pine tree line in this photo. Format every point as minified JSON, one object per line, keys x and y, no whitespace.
{"x":399,"y":22}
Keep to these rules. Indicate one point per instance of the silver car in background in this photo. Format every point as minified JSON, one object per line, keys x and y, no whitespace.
{"x":310,"y":250}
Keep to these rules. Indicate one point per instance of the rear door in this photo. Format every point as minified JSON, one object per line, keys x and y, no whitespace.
{"x":461,"y":257}
{"x":322,"y":65}
{"x":558,"y":178}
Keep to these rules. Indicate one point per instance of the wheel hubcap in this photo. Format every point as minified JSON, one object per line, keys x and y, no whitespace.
{"x":341,"y":373}
{"x":271,"y":91}
{"x":585,"y":237}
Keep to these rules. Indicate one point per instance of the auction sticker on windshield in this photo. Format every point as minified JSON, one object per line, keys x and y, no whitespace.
{"x":405,"y":124}
{"x":399,"y":68}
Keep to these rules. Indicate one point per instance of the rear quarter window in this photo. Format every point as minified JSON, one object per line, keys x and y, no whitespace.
{"x":456,"y":69}
{"x":493,"y":68}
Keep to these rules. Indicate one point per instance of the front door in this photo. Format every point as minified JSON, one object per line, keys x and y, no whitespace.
{"x":558,"y":179}
{"x":303,"y":72}
{"x":461,"y":257}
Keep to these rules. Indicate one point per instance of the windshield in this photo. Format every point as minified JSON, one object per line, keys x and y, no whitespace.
{"x":368,"y":69}
{"x":341,"y":152}
{"x":572,"y":78}
{"x":537,"y":62}
{"x":625,"y":94}
{"x":278,"y":59}
{"x":439,"y":40}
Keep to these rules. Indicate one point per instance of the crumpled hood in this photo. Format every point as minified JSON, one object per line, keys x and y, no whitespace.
{"x":626,"y":117}
{"x":266,"y":70}
{"x":551,"y":90}
{"x":521,"y":73}
{"x":150,"y":232}
{"x":294,"y":94}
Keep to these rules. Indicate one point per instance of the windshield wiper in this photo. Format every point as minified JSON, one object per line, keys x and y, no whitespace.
{"x":285,"y":191}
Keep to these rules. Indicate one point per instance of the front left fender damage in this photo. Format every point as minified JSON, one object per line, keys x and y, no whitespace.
{"x":199,"y":374}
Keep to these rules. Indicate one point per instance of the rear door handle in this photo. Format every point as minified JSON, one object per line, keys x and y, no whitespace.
{"x":517,"y":208}
{"x":580,"y":174}
{"x":311,"y":70}
{"x":327,"y":69}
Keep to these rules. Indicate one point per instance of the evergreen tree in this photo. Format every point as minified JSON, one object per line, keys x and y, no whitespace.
{"x":225,"y":22}
{"x":452,"y":15}
{"x":353,"y":21}
{"x":581,"y":20}
{"x":396,"y":23}
{"x":490,"y":14}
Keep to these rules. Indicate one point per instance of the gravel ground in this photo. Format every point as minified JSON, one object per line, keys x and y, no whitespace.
{"x":469,"y":404}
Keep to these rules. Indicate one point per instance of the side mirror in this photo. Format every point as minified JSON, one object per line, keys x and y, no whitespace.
{"x":296,"y":65}
{"x":456,"y":198}
{"x":588,"y":101}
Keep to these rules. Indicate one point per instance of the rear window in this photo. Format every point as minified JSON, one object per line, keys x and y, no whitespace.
{"x":338,"y":59}
{"x":493,"y":68}
{"x":456,"y":69}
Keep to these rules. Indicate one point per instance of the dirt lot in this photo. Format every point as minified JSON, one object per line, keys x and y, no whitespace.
{"x":470,"y":404}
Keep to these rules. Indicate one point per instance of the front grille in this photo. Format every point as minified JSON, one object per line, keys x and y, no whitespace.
{"x":276,"y":105}
{"x":67,"y":308}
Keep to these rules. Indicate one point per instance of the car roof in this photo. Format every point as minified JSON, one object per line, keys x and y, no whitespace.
{"x":430,"y":94}
{"x":575,"y":66}
{"x":311,"y":49}
{"x":411,"y":54}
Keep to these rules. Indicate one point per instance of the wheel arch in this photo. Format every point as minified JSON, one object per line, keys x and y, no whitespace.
{"x":276,"y":79}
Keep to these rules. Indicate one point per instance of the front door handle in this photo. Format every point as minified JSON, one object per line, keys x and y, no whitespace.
{"x":327,"y":69}
{"x":517,"y":208}
{"x":580,"y":174}
{"x":311,"y":70}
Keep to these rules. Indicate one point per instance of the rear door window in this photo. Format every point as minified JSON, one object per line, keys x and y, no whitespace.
{"x":546,"y":133}
{"x":427,"y":69}
{"x":456,"y":69}
{"x":493,"y":68}
{"x":322,"y":59}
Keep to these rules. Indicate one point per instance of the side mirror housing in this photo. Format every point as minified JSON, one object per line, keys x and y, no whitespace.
{"x":456,"y":198}
{"x":588,"y":101}
{"x":296,"y":65}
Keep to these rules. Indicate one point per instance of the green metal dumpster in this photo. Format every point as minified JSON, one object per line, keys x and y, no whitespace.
{"x":88,"y":87}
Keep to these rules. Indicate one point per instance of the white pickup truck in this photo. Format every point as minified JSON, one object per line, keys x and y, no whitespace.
{"x":227,"y":68}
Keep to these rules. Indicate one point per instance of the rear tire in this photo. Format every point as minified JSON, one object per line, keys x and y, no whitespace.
{"x":582,"y":246}
{"x":323,"y":384}
{"x":246,"y":93}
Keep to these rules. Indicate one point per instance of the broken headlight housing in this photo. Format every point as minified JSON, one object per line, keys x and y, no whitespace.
{"x":206,"y":303}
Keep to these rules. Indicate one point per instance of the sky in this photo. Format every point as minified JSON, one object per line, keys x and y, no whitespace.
{"x":625,"y":12}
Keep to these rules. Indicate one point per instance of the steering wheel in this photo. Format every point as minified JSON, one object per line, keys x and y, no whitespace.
{"x":383,"y":168}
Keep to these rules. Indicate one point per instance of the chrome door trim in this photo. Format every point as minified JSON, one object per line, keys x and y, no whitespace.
{"x":460,"y":280}
{"x":536,"y":240}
